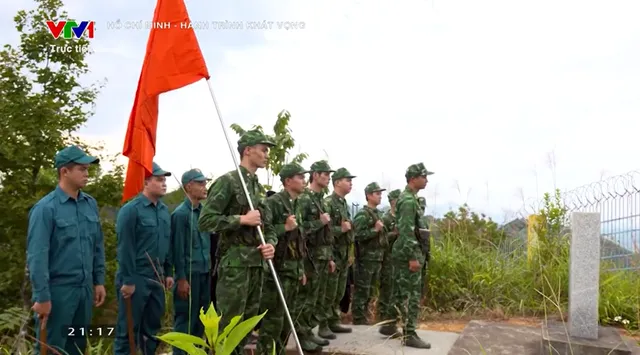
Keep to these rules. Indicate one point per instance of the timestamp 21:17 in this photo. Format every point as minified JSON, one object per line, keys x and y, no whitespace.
{"x":94,"y":331}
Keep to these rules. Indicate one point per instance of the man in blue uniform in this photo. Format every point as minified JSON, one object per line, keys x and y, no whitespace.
{"x":143,"y":226}
{"x":191,"y":258}
{"x":65,"y":255}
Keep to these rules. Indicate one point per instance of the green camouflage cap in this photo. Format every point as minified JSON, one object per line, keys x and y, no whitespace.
{"x":373,"y":187}
{"x":291,"y":170}
{"x":254,"y":137}
{"x":416,"y":170}
{"x":394,"y":194}
{"x":341,"y":173}
{"x":73,"y":154}
{"x":321,"y":166}
{"x":193,"y":175}
{"x":422,"y":202}
{"x":157,"y":171}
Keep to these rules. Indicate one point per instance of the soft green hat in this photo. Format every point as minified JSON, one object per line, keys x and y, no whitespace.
{"x":373,"y":187}
{"x":417,"y":170}
{"x":193,"y":175}
{"x":321,"y":166}
{"x":394,"y":194}
{"x":157,"y":171}
{"x":341,"y":173}
{"x":291,"y":170}
{"x":73,"y":154}
{"x":254,"y":137}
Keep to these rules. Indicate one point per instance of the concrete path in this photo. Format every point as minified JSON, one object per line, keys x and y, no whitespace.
{"x":365,"y":340}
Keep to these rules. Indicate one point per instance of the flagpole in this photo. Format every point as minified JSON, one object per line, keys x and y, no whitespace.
{"x":262,"y":240}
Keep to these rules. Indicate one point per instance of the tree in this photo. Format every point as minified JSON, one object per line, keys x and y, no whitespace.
{"x":278,"y":155}
{"x":42,"y":104}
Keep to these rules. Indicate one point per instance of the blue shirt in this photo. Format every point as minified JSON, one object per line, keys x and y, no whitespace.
{"x":191,"y":247}
{"x":65,"y":244}
{"x":143,"y":230}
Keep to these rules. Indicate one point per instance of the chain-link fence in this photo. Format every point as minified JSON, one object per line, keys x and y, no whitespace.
{"x":618,"y":201}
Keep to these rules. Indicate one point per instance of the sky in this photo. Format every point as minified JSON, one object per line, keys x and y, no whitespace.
{"x":504,"y":100}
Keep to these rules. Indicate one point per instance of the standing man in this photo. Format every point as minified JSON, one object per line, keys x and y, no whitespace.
{"x":336,"y":207}
{"x":241,"y":267}
{"x":191,"y":258}
{"x":386,"y":310}
{"x":65,"y":255}
{"x":319,"y":263}
{"x":143,"y":227}
{"x":407,"y":256}
{"x":425,"y":242}
{"x":371,"y":242}
{"x":280,"y":223}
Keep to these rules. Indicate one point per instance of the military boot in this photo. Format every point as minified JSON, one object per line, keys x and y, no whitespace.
{"x":325,"y":332}
{"x":388,"y":330}
{"x":318,"y":340}
{"x":412,"y":340}
{"x":308,"y":345}
{"x":338,"y":328}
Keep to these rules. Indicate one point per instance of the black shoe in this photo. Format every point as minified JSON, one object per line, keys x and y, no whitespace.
{"x":325,"y":332}
{"x":337,"y":328}
{"x":388,"y":329}
{"x":308,"y":345}
{"x":317,"y":340}
{"x":414,"y":341}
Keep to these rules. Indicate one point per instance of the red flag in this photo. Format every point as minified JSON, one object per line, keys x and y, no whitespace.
{"x":173,"y":60}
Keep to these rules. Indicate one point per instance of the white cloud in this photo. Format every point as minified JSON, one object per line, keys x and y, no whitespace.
{"x":478,"y":91}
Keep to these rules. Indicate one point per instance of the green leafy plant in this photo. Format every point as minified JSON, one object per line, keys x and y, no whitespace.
{"x":279,"y":154}
{"x":215,"y":343}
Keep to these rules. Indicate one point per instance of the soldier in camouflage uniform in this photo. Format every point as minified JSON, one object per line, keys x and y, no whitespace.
{"x":407,"y":256}
{"x":226,"y":211}
{"x":371,"y":242}
{"x":315,"y":225}
{"x":280,"y":224}
{"x":385,"y":307}
{"x":422,"y":202}
{"x":336,"y":206}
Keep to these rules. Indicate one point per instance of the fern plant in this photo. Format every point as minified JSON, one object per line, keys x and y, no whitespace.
{"x":215,"y":343}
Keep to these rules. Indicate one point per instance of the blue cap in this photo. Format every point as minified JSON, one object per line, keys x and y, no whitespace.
{"x":193,"y":175}
{"x":157,"y":171}
{"x":73,"y":154}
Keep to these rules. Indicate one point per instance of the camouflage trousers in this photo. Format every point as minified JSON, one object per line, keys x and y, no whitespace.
{"x":407,"y":291}
{"x":238,"y":292}
{"x":275,"y":326}
{"x":306,"y":308}
{"x":367,"y":274}
{"x":385,"y":308}
{"x":336,"y":286}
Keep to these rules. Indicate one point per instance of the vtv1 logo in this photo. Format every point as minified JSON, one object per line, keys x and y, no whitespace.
{"x":71,"y":29}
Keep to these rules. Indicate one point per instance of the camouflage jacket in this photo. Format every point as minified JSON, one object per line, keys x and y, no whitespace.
{"x":319,"y":237}
{"x":370,"y":244}
{"x":389,"y":220}
{"x":407,"y":247}
{"x":290,"y":248}
{"x":338,"y":210}
{"x":226,"y":202}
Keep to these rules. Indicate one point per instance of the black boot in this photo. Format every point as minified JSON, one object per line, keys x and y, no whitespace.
{"x":338,"y":328}
{"x":412,"y":340}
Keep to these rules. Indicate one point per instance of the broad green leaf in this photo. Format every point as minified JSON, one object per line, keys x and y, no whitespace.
{"x":238,"y":333}
{"x":226,"y":331}
{"x":189,"y":348}
{"x":182,"y":338}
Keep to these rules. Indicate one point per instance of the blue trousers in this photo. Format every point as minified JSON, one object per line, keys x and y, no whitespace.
{"x":147,"y":308}
{"x":71,"y":309}
{"x":200,"y":298}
